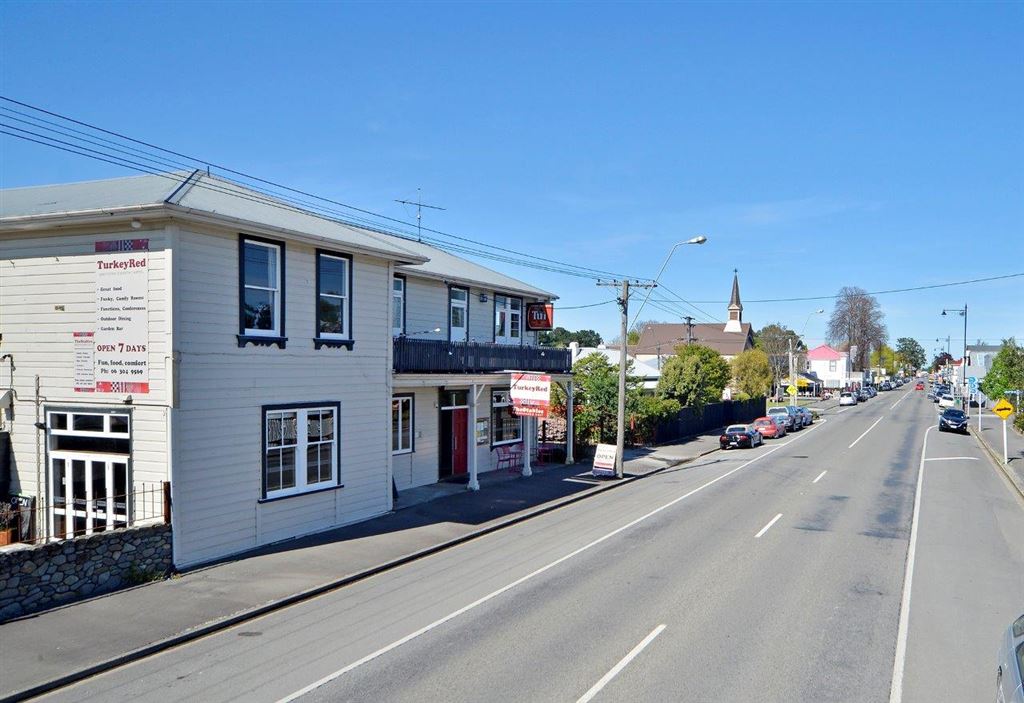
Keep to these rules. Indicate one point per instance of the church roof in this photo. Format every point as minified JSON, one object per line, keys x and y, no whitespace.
{"x":734,"y":299}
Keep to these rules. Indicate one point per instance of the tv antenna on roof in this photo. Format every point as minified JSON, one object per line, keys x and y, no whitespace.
{"x":419,"y":212}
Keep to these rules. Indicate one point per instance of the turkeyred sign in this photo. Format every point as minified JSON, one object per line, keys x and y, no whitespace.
{"x":540,"y":316}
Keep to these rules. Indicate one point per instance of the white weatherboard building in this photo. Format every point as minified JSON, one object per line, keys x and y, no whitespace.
{"x":285,"y":373}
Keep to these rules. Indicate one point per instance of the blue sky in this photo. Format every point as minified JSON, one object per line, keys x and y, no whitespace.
{"x":815,"y":145}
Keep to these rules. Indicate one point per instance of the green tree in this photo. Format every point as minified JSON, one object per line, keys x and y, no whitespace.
{"x":1007,"y":372}
{"x":887,"y":358}
{"x":561,"y":337}
{"x":752,"y":374}
{"x":774,"y":341}
{"x":695,"y":376}
{"x":941,"y":360}
{"x":911,"y":352}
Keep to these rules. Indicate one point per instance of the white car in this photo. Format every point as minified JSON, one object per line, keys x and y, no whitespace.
{"x":946,"y":401}
{"x":847,"y":399}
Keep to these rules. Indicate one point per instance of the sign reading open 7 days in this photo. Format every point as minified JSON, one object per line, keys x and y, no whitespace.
{"x":122,"y":322}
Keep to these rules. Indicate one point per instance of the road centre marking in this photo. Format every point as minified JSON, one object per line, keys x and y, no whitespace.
{"x":866,"y":431}
{"x":896,"y":690}
{"x":768,"y":526}
{"x":893,"y":406}
{"x":842,"y":410}
{"x":953,"y":458}
{"x":603,"y":681}
{"x":819,"y":476}
{"x":494,"y":594}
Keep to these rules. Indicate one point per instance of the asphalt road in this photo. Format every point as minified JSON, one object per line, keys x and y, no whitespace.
{"x":774,"y":574}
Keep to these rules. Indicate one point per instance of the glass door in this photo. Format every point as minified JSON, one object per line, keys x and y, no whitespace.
{"x":458,"y":314}
{"x":88,"y":493}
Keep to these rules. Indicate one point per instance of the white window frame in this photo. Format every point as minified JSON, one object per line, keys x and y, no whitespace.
{"x":346,"y":330}
{"x":511,"y":309}
{"x":301,"y":446}
{"x":407,"y":413}
{"x":276,"y":331}
{"x":496,"y":404}
{"x":398,"y":296}
{"x":454,"y":303}
{"x":832,"y":366}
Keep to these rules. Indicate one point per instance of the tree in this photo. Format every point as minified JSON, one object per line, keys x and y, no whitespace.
{"x":695,"y":376}
{"x":561,"y":337}
{"x":774,"y":340}
{"x":1007,"y":372}
{"x":887,"y":358}
{"x":941,"y":360}
{"x":634,"y":332}
{"x":752,"y":374}
{"x":911,"y":352}
{"x":857,"y":320}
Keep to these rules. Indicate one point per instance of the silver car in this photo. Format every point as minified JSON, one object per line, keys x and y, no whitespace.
{"x":1011,"y":665}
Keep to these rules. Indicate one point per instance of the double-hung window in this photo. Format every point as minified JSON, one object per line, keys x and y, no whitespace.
{"x":832,"y":366}
{"x":397,"y":305}
{"x":458,"y":314}
{"x":507,"y":428}
{"x":508,"y":320}
{"x":401,"y":424}
{"x":262,"y":288}
{"x":300,"y":452}
{"x":334,"y":297}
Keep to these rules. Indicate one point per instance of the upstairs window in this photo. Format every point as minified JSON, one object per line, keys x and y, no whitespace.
{"x":262,"y":264}
{"x":397,"y":305}
{"x":832,"y":365}
{"x":458,"y":314}
{"x":334,"y":296}
{"x":508,"y":320}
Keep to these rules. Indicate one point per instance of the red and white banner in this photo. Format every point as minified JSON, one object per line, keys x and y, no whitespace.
{"x":122,"y":320}
{"x":531,"y":394}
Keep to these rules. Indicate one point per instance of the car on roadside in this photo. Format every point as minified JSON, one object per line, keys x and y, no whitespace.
{"x":885,"y":386}
{"x":769,"y":427}
{"x":872,"y":390}
{"x":740,"y":436}
{"x":800,"y":418}
{"x":919,"y":386}
{"x":863,"y":395}
{"x":808,"y":416}
{"x":788,"y":418}
{"x":1010,"y":669}
{"x":847,"y":399}
{"x":953,"y":420}
{"x":946,"y":401}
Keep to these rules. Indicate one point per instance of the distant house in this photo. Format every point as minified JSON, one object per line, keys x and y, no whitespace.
{"x":658,"y":341}
{"x":648,"y":373}
{"x":832,"y":367}
{"x":979,"y":360}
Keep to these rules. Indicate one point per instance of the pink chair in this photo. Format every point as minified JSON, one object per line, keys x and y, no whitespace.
{"x":510,"y":457}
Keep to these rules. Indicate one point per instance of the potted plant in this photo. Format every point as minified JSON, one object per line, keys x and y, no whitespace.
{"x":8,"y":524}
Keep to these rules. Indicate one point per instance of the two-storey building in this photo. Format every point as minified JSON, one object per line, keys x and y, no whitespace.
{"x":284,"y":372}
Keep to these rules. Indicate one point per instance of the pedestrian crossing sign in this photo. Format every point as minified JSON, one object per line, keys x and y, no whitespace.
{"x":1003,"y":408}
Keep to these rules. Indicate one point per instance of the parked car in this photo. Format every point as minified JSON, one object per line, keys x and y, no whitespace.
{"x":1010,"y":671}
{"x":946,"y":401}
{"x":872,"y":391}
{"x":786,"y":417}
{"x":808,"y":416}
{"x":847,"y":399}
{"x":769,"y":427}
{"x":799,"y":418}
{"x":863,"y":395}
{"x":885,"y":386}
{"x":953,"y":420}
{"x":780,"y":423}
{"x":740,"y":436}
{"x":919,"y":386}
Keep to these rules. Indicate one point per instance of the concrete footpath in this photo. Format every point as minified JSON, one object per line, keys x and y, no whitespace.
{"x":59,"y":646}
{"x":991,"y":436}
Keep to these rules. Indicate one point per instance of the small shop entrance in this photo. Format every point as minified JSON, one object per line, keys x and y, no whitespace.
{"x":453,"y":461}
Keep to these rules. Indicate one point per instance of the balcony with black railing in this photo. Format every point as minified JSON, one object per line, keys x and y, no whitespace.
{"x":441,"y":356}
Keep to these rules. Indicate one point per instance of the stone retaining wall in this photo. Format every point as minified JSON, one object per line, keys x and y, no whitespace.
{"x":57,"y":573}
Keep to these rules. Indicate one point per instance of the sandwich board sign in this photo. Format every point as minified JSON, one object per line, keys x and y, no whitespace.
{"x":604,"y":460}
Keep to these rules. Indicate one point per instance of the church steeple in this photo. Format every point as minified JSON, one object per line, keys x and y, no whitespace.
{"x":735,"y":306}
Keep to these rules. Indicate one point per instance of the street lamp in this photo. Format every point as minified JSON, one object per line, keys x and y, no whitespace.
{"x":963,"y":360}
{"x":792,"y":372}
{"x":700,"y":239}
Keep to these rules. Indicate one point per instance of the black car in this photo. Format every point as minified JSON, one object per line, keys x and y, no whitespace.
{"x":953,"y":420}
{"x":740,"y":436}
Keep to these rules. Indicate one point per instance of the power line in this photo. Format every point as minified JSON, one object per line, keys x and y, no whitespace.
{"x":528,"y":260}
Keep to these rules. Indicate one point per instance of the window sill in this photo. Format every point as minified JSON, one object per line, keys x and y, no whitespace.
{"x":401,"y":452}
{"x":333,"y":343}
{"x":261,"y":341}
{"x":507,"y":441}
{"x":274,"y":499}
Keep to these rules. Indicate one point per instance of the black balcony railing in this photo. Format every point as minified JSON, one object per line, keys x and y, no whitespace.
{"x":440,"y":356}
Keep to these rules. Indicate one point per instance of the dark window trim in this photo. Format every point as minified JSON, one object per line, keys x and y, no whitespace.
{"x":412,"y":423}
{"x":448,"y":312}
{"x":319,"y":341}
{"x":259,"y":340}
{"x":264,"y":409}
{"x":491,"y":420}
{"x":405,"y":300}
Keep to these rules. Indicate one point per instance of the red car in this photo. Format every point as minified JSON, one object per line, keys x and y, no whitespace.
{"x":919,"y":386}
{"x":768,"y":428}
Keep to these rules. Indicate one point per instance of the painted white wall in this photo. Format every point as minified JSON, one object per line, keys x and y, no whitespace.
{"x":48,"y":292}
{"x":218,"y":466}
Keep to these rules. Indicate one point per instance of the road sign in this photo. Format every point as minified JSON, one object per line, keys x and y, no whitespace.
{"x":1003,"y":408}
{"x":972,"y":383}
{"x":791,"y":389}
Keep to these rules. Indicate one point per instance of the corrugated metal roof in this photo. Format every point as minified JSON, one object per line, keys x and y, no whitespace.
{"x":219,"y":196}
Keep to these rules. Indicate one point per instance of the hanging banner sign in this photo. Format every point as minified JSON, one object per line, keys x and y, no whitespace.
{"x":540,"y":316}
{"x":531,"y":394}
{"x":85,"y":376}
{"x":122,"y":320}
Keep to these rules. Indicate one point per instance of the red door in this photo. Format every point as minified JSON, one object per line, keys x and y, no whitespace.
{"x":460,"y":441}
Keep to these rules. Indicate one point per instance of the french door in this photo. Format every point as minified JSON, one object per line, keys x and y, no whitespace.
{"x":88,"y":493}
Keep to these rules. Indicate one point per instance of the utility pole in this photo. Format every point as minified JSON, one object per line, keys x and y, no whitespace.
{"x":620,"y":429}
{"x":419,"y":212}
{"x":792,"y":377}
{"x":689,"y":330}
